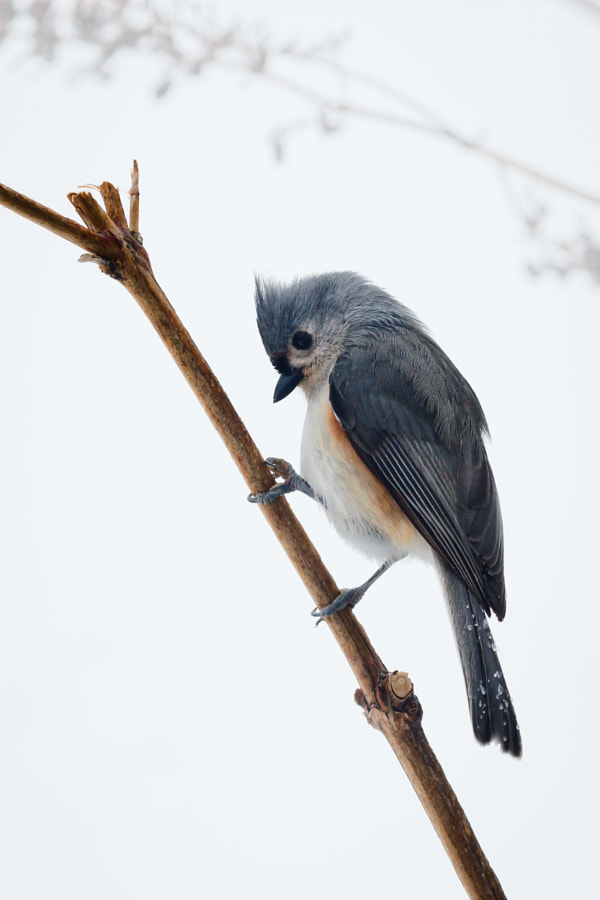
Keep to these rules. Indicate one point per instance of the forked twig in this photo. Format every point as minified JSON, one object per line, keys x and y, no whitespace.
{"x":387,"y":697}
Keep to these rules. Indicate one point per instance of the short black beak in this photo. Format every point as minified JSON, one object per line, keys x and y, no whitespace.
{"x":286,"y":384}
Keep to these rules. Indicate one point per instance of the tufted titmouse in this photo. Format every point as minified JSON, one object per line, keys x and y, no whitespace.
{"x":393,"y":449}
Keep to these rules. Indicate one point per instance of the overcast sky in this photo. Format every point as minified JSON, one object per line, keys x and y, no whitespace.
{"x":172,"y":723}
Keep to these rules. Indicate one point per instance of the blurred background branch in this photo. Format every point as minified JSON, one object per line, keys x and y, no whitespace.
{"x":588,"y":5}
{"x":187,"y":39}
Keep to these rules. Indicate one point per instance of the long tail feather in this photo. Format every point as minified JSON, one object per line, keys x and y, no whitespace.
{"x":492,"y":711}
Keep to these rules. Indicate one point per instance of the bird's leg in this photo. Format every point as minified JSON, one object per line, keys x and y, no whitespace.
{"x":291,"y":482}
{"x":349,"y":597}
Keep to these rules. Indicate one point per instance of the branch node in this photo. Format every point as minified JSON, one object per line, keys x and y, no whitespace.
{"x":107,"y":266}
{"x":361,"y":700}
{"x":400,"y":686}
{"x":395,"y":701}
{"x":110,"y":224}
{"x":400,"y":702}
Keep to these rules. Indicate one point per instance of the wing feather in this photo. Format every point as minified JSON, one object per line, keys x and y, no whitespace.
{"x":444,"y":486}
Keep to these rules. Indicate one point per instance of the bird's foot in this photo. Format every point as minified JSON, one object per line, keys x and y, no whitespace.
{"x":292,"y":481}
{"x":349,"y":597}
{"x":346,"y":599}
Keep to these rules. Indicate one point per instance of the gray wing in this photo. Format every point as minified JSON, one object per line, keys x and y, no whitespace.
{"x":418,"y":429}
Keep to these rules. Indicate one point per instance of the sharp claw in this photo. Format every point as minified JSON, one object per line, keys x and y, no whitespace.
{"x":346,"y":599}
{"x":260,"y":499}
{"x":279,"y":466}
{"x":317,"y":613}
{"x":266,"y":497}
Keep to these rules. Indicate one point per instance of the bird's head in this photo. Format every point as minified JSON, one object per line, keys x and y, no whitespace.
{"x":306,"y":324}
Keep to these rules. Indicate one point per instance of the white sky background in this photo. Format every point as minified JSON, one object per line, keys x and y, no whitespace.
{"x":172,"y":725}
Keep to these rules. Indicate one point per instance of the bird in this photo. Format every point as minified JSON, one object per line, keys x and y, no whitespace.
{"x":393,"y":450}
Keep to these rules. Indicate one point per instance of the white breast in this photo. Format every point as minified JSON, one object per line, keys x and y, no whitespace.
{"x":357,"y":504}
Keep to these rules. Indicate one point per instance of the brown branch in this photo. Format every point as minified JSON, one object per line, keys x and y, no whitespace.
{"x":96,"y":243}
{"x":387,"y":698}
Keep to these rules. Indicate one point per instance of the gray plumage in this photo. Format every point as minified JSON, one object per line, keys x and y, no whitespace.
{"x":416,"y":424}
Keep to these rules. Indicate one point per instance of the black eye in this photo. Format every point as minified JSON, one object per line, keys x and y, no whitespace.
{"x":302,"y":340}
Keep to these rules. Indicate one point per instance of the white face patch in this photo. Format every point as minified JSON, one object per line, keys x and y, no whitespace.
{"x":297,"y":359}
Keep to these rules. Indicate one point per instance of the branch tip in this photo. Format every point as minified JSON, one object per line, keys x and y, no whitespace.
{"x":134,"y":199}
{"x":90,"y":211}
{"x":114,"y":207}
